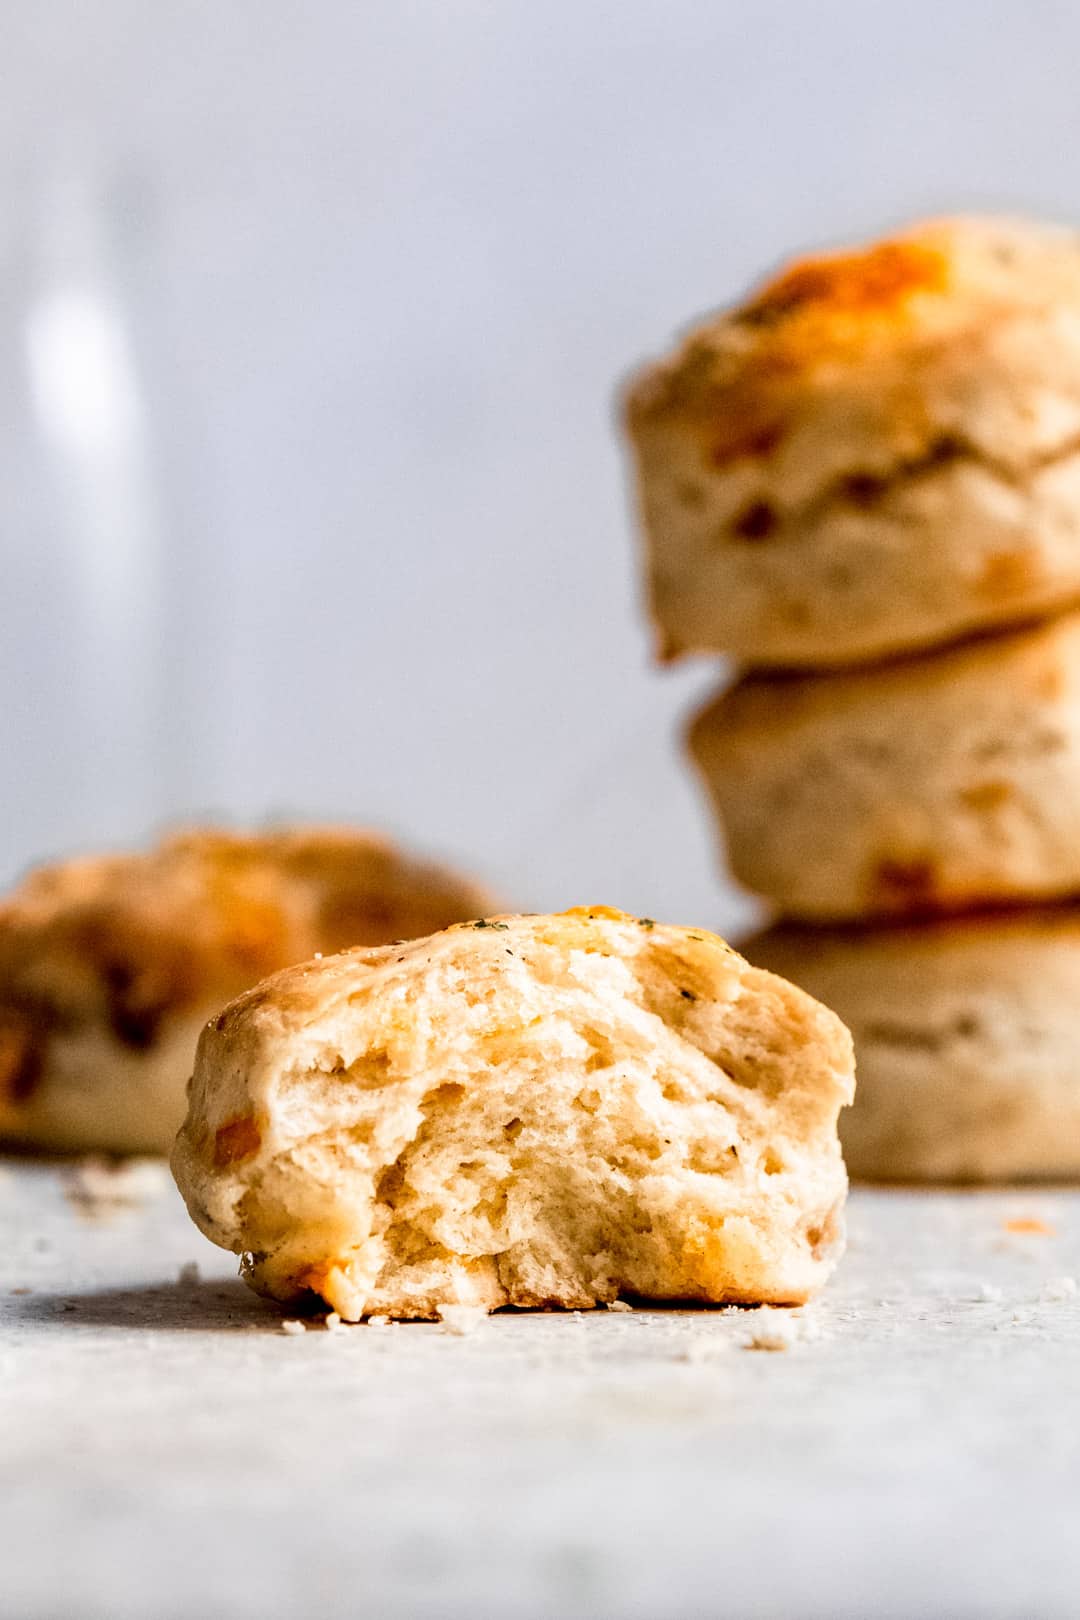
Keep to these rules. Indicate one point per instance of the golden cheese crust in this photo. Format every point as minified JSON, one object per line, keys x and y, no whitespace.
{"x":542,"y":1110}
{"x":109,"y":965}
{"x":878,"y":449}
{"x":834,"y":309}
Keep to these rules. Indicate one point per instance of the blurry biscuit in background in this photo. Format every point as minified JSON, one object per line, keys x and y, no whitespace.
{"x":877,"y":451}
{"x":928,"y":785}
{"x":967,"y":1041}
{"x":111,"y":965}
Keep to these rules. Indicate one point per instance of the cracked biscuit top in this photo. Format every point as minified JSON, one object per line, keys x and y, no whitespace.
{"x":531,"y":1111}
{"x":878,"y":450}
{"x":109,"y":965}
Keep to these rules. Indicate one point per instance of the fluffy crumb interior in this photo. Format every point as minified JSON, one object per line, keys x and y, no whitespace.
{"x":537,"y":1123}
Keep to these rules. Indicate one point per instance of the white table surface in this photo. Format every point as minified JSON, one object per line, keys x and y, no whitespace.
{"x":168,"y":1451}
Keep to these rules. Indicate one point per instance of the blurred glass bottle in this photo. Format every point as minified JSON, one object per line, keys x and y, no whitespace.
{"x":86,"y":707}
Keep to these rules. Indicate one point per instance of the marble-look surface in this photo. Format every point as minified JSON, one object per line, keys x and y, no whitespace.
{"x":168,"y":1450}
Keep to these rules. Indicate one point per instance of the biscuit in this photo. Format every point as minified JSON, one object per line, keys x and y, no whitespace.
{"x":110,"y":966}
{"x":966,"y":1040}
{"x":533,"y":1111}
{"x":928,"y":785}
{"x":879,"y":450}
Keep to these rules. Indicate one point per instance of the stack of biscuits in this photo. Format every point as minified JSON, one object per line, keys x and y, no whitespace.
{"x":863,"y":486}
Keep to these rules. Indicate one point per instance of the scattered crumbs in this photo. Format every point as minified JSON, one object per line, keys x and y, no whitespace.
{"x":292,"y":1326}
{"x":619,"y":1305}
{"x":1059,"y":1288}
{"x":462,"y":1319}
{"x":188,"y":1274}
{"x":646,"y":922}
{"x":486,"y":922}
{"x":379,"y":1321}
{"x":1030,"y":1224}
{"x":688,"y":995}
{"x":777,"y":1328}
{"x":20,"y":1290}
{"x":333,"y":1323}
{"x":988,"y":1294}
{"x":99,"y":1187}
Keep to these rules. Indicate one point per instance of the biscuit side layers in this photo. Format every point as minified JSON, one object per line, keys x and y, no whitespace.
{"x":967,"y":1034}
{"x":928,"y":785}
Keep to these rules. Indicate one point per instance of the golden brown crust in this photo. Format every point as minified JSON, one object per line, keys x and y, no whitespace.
{"x":940,"y":281}
{"x":126,"y":945}
{"x":863,"y":284}
{"x":731,"y":377}
{"x":877,"y":451}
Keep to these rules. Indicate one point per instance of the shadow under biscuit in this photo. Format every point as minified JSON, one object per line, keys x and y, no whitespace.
{"x":187,"y":1306}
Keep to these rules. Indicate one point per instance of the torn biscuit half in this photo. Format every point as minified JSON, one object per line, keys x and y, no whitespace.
{"x":530,"y":1111}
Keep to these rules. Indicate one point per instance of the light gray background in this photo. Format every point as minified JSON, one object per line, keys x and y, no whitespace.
{"x":349,"y":533}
